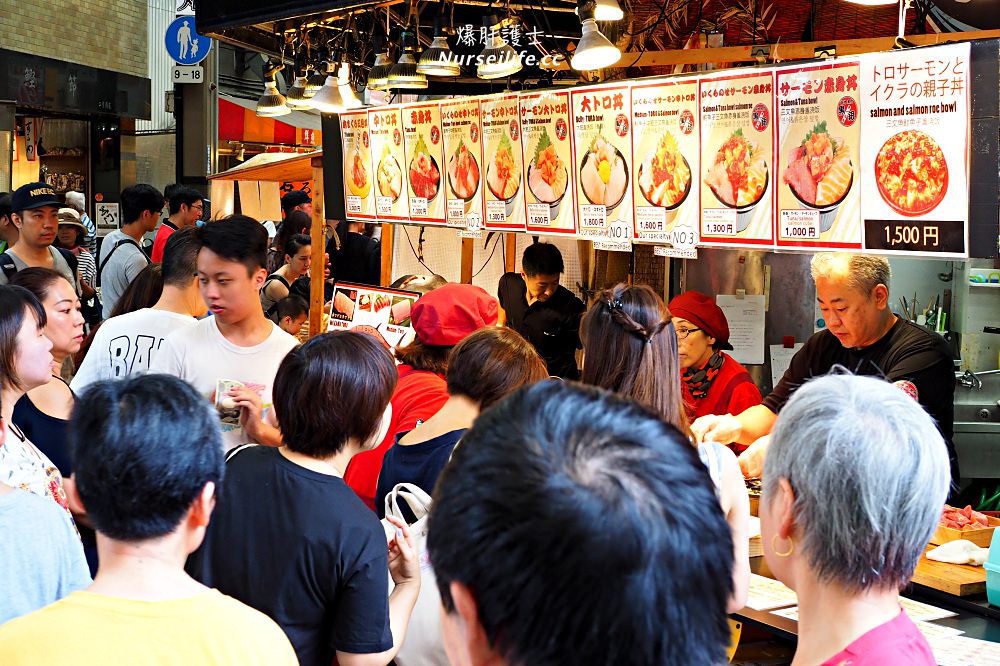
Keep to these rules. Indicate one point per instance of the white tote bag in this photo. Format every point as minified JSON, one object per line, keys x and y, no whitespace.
{"x":423,"y":645}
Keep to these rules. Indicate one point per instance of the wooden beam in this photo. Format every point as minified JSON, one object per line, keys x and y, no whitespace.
{"x":317,"y":268}
{"x":388,"y":232}
{"x":509,"y":253}
{"x":468,"y":245}
{"x":787,"y":51}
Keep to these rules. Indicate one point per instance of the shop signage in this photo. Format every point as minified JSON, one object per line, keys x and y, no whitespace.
{"x":819,"y":133}
{"x":866,"y":153}
{"x":667,"y":160}
{"x":424,"y":157}
{"x":504,"y":164}
{"x":463,"y":159}
{"x":914,"y":157}
{"x":548,"y":163}
{"x":183,"y":42}
{"x":359,"y":196}
{"x":381,"y":312}
{"x":737,"y":165}
{"x":602,"y":159}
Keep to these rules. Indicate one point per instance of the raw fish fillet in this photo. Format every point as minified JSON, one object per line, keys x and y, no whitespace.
{"x":343,"y":304}
{"x":400,"y":311}
{"x":718,"y":180}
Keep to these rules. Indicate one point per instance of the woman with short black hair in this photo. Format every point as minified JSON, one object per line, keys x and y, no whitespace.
{"x":290,"y":538}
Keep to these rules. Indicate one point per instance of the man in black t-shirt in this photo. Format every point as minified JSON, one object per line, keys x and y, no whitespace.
{"x":547,"y":314}
{"x":864,"y":337}
{"x":358,"y":259}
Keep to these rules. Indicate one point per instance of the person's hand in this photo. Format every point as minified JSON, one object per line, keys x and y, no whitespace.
{"x":752,"y":460}
{"x":251,"y":409}
{"x":404,"y":560}
{"x":715,"y":428}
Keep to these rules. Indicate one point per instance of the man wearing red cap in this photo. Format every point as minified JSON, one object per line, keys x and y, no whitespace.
{"x":441,"y":319}
{"x":714,"y":382}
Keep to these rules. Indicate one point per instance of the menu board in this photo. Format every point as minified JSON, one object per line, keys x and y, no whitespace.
{"x":463,"y":154}
{"x":359,"y":197}
{"x":504,"y":163}
{"x":819,"y":138}
{"x":737,"y":145}
{"x":914,"y":161}
{"x":665,"y":131}
{"x":385,"y":126}
{"x":383,"y":313}
{"x":423,"y":149}
{"x":602,"y":159}
{"x":548,"y":160}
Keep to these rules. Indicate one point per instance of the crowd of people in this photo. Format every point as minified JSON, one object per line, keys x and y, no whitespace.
{"x":204,"y":488}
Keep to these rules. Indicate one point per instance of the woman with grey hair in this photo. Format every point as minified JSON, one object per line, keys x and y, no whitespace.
{"x":78,"y":202}
{"x":854,"y":482}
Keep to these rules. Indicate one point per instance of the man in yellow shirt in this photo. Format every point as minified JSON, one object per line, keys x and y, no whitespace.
{"x":148,"y":458}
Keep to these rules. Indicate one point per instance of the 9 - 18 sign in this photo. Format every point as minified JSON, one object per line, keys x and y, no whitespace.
{"x":189,"y":74}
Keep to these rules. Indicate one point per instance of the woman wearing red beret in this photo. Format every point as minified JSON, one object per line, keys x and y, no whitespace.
{"x":713,"y":381}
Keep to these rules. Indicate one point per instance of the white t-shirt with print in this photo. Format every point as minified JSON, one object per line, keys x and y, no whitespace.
{"x":202,"y":356}
{"x":125,"y":345}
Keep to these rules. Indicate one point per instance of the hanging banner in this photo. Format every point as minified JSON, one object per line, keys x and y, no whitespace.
{"x":819,"y":138}
{"x":548,"y":157}
{"x":504,"y":163}
{"x":385,"y":127}
{"x":463,"y":154}
{"x":32,"y":130}
{"x":424,"y":157}
{"x":665,"y":131}
{"x":914,"y":161}
{"x":737,"y":145}
{"x":359,"y":198}
{"x":602,"y":160}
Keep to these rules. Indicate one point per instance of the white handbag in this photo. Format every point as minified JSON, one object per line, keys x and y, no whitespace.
{"x":423,"y":645}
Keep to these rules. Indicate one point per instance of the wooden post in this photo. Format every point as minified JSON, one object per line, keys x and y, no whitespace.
{"x":468,"y":245}
{"x":509,"y":253}
{"x":318,"y":235}
{"x":388,"y":236}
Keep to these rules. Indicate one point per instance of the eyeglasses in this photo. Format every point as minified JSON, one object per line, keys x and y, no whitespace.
{"x":682,"y":333}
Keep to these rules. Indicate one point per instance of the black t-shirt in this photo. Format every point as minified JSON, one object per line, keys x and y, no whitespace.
{"x":907,"y":353}
{"x":358,"y":260}
{"x":302,"y":548}
{"x":552,"y":326}
{"x":420,"y":464}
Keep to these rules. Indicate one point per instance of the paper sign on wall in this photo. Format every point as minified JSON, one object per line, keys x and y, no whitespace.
{"x":745,"y":315}
{"x":385,"y":127}
{"x":422,"y":141}
{"x":359,"y":197}
{"x":547,"y":154}
{"x":504,"y":163}
{"x":463,"y":154}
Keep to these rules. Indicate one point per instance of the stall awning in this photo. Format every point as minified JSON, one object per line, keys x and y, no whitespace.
{"x":238,"y":121}
{"x":273,"y":167}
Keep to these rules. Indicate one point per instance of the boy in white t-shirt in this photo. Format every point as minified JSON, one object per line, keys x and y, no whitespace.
{"x":238,"y":343}
{"x":125,"y":345}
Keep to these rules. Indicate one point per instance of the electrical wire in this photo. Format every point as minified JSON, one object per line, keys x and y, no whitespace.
{"x":414,"y":250}
{"x":490,"y":258}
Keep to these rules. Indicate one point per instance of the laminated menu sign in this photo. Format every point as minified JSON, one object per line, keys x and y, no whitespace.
{"x":666,"y":159}
{"x":463,"y":154}
{"x":602,"y":160}
{"x":359,"y":199}
{"x":737,"y":144}
{"x":504,"y":163}
{"x":385,"y":126}
{"x":423,"y":147}
{"x":547,"y":154}
{"x":914,"y":160}
{"x":382,"y":313}
{"x":819,"y":132}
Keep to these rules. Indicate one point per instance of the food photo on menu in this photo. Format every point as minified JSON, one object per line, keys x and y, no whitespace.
{"x":820,"y":173}
{"x":547,"y":175}
{"x":425,"y":176}
{"x":359,"y":182}
{"x":911,"y":173}
{"x":503,"y":176}
{"x":604,"y":174}
{"x":665,"y":175}
{"x":390,"y":176}
{"x":463,"y":173}
{"x":738,"y":176}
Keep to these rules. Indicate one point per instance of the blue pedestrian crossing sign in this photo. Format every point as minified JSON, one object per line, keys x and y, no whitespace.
{"x":185,"y":45}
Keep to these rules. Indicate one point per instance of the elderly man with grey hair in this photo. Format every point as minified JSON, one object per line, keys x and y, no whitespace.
{"x":78,"y":202}
{"x":864,"y":336}
{"x":853,"y":487}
